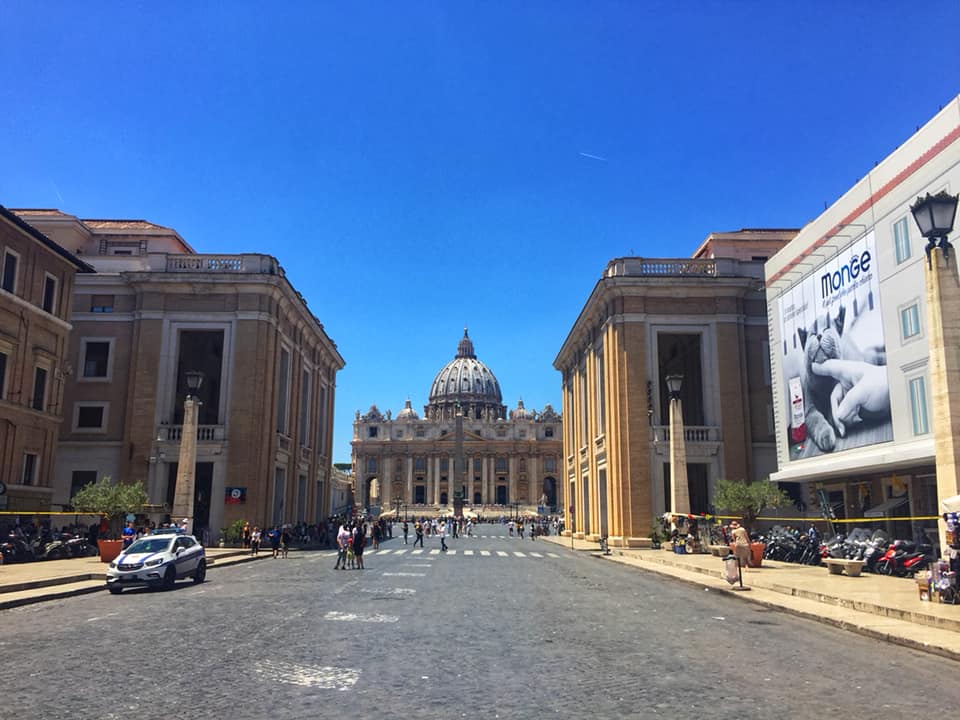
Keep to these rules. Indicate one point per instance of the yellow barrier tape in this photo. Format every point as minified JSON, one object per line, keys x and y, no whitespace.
{"x":37,"y":512}
{"x":823,"y":520}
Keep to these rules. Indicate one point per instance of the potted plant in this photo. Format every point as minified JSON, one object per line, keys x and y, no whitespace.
{"x":655,"y":537}
{"x":747,"y":500}
{"x":112,"y":501}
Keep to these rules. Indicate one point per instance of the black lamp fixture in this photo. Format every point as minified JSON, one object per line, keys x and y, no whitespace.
{"x":934,"y":215}
{"x":674,"y":382}
{"x":194,"y":381}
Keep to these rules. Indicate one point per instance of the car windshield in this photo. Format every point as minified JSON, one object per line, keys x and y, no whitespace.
{"x":149,"y":545}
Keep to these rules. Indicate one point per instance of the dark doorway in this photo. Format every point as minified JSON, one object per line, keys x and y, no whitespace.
{"x":419,"y":494}
{"x":550,"y":490}
{"x":501,"y":494}
{"x":477,"y":499}
{"x":200,"y":350}
{"x":443,"y":498}
{"x":202,"y":489}
{"x":697,"y":488}
{"x":680,"y":355}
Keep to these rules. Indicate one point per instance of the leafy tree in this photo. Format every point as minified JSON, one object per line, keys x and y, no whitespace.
{"x":104,"y":497}
{"x":747,"y":500}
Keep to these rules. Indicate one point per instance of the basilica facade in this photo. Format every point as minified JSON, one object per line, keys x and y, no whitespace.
{"x":467,"y":446}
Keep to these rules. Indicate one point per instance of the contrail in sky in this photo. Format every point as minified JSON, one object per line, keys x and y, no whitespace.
{"x":57,"y":191}
{"x":593,"y":157}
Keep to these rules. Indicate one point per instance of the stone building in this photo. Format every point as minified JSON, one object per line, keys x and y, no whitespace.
{"x":466,"y":446}
{"x":155,"y":310}
{"x":36,"y":295}
{"x":703,"y":318}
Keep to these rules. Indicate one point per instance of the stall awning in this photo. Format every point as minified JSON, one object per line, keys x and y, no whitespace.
{"x":951,"y":504}
{"x":884,"y":508}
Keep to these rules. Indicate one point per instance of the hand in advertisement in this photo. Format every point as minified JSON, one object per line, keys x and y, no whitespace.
{"x":861,"y":388}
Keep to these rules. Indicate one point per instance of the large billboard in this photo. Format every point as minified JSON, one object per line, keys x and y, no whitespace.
{"x":833,"y":358}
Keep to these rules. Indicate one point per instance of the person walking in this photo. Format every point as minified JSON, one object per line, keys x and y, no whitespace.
{"x":343,"y":536}
{"x":741,"y":543}
{"x":359,"y":541}
{"x":376,"y":536}
{"x":406,"y":531}
{"x":418,"y":529}
{"x":285,"y":540}
{"x":245,"y":536}
{"x":255,"y":536}
{"x":442,"y":531}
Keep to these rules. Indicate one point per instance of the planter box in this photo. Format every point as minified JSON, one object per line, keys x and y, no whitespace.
{"x":109,"y":549}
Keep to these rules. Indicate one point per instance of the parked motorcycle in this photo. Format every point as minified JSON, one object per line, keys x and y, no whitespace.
{"x":904,"y":559}
{"x":15,"y":550}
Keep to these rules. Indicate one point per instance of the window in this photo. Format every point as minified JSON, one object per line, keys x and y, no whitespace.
{"x":284,"y":390}
{"x":501,"y":464}
{"x":3,"y":374}
{"x":90,"y":416}
{"x":901,"y":240}
{"x":549,"y":464}
{"x":95,"y":358}
{"x":601,"y":393}
{"x":10,"y":261}
{"x":372,"y":431}
{"x":50,"y":293}
{"x":81,"y":478}
{"x":39,"y":389}
{"x":477,"y":465}
{"x":444,"y":464}
{"x":910,"y":321}
{"x":371,"y":465}
{"x":918,"y":405}
{"x":421,"y":432}
{"x":420,"y":464}
{"x":101,"y":303}
{"x":305,"y":410}
{"x":29,"y":476}
{"x":548,"y":432}
{"x":322,"y":419}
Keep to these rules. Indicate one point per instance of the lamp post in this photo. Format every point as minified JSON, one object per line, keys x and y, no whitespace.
{"x":186,"y":465}
{"x":934,"y":215}
{"x":679,"y":490}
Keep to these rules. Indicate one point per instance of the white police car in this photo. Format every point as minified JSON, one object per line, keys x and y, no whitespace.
{"x":158,"y":561}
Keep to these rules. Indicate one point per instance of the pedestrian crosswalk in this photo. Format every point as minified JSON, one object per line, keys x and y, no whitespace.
{"x":437,"y":552}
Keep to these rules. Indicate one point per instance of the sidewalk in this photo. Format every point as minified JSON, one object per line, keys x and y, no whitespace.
{"x":886,"y":608}
{"x":26,"y":583}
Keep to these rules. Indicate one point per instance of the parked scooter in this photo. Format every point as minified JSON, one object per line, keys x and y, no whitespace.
{"x":16,"y":550}
{"x":904,"y":559}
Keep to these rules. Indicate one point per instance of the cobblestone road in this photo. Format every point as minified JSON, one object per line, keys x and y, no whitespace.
{"x":495,"y":628}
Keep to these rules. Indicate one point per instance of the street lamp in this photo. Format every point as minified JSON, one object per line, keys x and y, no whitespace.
{"x":679,"y":491}
{"x":934,"y":215}
{"x":186,"y":465}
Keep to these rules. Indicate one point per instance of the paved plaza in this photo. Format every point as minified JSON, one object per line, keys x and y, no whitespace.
{"x":496,"y":627}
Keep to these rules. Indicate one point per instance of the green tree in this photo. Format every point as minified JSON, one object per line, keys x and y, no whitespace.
{"x":747,"y":500}
{"x":114,"y":500}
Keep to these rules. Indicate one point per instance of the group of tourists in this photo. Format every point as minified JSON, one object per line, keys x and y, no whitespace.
{"x":278,"y":538}
{"x":351,"y":540}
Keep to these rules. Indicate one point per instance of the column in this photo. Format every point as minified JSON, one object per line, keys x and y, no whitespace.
{"x":409,"y":494}
{"x":679,"y":489}
{"x":470,"y":472}
{"x":512,"y":479}
{"x":436,"y":481}
{"x":534,"y":482}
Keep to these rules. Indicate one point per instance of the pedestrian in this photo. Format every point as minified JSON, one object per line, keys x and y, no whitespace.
{"x":359,"y":541}
{"x":442,"y":530}
{"x":245,"y":536}
{"x":406,"y":531}
{"x":741,"y":544}
{"x":376,"y":536}
{"x":285,"y":540}
{"x":129,"y":535}
{"x":255,"y":536}
{"x":343,"y":536}
{"x":273,"y":537}
{"x":418,"y":530}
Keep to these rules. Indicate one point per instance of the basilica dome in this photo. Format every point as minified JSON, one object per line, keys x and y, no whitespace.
{"x":466,"y":385}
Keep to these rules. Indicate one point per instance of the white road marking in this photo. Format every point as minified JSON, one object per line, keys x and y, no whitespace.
{"x":418,"y":564}
{"x":552,"y":555}
{"x":485,"y":553}
{"x":102,"y":617}
{"x":451,"y":552}
{"x":324,"y":677}
{"x":434,"y":552}
{"x":416,"y":552}
{"x":389,"y":591}
{"x":468,"y":552}
{"x":404,"y":574}
{"x":399,"y":552}
{"x":519,"y":554}
{"x":501,"y":553}
{"x":536,"y":554}
{"x":355,"y":617}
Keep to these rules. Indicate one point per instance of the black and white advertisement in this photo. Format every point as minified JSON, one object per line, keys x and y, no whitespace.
{"x":833,"y":357}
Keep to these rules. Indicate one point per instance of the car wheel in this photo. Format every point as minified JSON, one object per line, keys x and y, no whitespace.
{"x":114,"y":590}
{"x":169,"y":578}
{"x":201,"y":572}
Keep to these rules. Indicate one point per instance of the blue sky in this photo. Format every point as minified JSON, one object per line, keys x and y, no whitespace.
{"x":422,"y":166}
